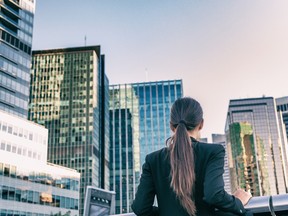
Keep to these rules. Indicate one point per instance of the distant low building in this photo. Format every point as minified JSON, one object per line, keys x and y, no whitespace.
{"x":28,"y":184}
{"x":282,"y":106}
{"x":221,"y":139}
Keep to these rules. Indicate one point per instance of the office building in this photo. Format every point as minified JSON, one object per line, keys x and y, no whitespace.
{"x":282,"y":105}
{"x":28,"y":185}
{"x":139,"y":124}
{"x":16,"y":28}
{"x":69,"y":91}
{"x":221,"y":139}
{"x":256,"y":147}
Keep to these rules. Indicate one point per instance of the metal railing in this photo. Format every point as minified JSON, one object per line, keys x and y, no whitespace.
{"x":276,"y":205}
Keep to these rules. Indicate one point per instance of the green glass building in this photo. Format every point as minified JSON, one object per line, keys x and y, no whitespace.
{"x":139,"y":124}
{"x":256,"y":148}
{"x":68,"y":95}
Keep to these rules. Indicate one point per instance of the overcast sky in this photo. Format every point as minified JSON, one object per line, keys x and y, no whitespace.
{"x":221,"y":49}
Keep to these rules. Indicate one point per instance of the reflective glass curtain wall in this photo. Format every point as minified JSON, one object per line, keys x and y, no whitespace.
{"x":68,"y":95}
{"x":155,"y":101}
{"x":16,"y":28}
{"x":255,"y":146}
{"x":221,"y":139}
{"x":139,"y":124}
{"x":282,"y":106}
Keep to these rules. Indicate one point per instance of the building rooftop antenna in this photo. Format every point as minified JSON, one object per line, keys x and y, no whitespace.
{"x":85,"y":40}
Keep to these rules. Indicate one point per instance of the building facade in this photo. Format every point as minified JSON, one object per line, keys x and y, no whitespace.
{"x":221,"y":139}
{"x":256,"y":146}
{"x":68,"y":96}
{"x":139,"y":124}
{"x":282,"y":106}
{"x":28,"y":185}
{"x":16,"y":28}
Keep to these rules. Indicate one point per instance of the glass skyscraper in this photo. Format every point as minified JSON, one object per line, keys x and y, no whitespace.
{"x":28,"y":185}
{"x":69,"y":91}
{"x":139,"y":124}
{"x":256,"y":146}
{"x":16,"y":28}
{"x":282,"y":106}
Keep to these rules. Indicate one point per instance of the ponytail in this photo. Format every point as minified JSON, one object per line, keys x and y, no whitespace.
{"x":182,"y":168}
{"x":186,"y":114}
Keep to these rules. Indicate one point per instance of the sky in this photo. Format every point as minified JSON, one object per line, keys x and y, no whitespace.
{"x":220,"y":49}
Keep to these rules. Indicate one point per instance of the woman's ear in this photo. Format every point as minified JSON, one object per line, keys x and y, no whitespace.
{"x":172,"y":128}
{"x":201,"y":124}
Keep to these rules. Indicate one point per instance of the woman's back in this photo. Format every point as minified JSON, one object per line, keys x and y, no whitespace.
{"x":209,"y":186}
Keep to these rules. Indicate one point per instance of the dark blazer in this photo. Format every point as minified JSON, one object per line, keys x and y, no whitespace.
{"x":209,"y":186}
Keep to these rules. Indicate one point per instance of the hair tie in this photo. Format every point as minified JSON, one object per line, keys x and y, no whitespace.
{"x":182,"y":121}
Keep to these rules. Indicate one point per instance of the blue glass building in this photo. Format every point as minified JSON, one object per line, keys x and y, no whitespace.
{"x":16,"y":28}
{"x":139,"y":124}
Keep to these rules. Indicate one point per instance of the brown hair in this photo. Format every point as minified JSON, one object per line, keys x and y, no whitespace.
{"x":186,"y":114}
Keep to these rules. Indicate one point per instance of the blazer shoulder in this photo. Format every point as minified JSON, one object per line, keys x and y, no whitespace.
{"x":211,"y":148}
{"x":158,"y":153}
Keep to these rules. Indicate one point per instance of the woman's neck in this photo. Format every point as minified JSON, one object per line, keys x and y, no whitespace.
{"x":195,"y":134}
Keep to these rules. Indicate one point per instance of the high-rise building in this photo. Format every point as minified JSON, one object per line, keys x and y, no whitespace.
{"x":139,"y":124}
{"x":68,"y":95}
{"x":282,"y":105}
{"x":16,"y":28}
{"x":256,"y":147}
{"x":221,"y":139}
{"x":28,"y":185}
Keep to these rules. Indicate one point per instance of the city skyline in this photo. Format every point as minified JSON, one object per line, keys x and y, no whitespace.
{"x":206,"y":44}
{"x":69,"y":90}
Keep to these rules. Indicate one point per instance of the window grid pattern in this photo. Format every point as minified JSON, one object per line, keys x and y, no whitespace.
{"x":139,"y":124}
{"x":65,"y":97}
{"x":15,"y":55}
{"x":270,"y":169}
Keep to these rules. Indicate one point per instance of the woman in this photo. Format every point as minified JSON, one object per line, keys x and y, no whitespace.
{"x":187,"y":175}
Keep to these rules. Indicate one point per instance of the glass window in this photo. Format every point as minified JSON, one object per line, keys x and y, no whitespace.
{"x":24,"y":152}
{"x":6,"y":170}
{"x":13,"y":171}
{"x":1,"y":170}
{"x":19,"y":150}
{"x":8,"y":147}
{"x":20,"y":134}
{"x":30,"y":136}
{"x":14,"y":149}
{"x":4,"y":126}
{"x":25,"y":134}
{"x":15,"y":130}
{"x":3,"y":145}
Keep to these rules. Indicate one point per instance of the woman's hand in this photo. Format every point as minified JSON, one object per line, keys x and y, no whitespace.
{"x":243,"y":196}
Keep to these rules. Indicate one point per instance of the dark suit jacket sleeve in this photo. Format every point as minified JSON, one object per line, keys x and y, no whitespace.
{"x":143,"y":203}
{"x":214,"y":192}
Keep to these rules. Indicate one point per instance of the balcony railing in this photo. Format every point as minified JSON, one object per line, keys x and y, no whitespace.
{"x":265,"y":205}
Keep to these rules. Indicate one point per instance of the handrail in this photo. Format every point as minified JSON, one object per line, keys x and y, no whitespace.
{"x":261,"y":204}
